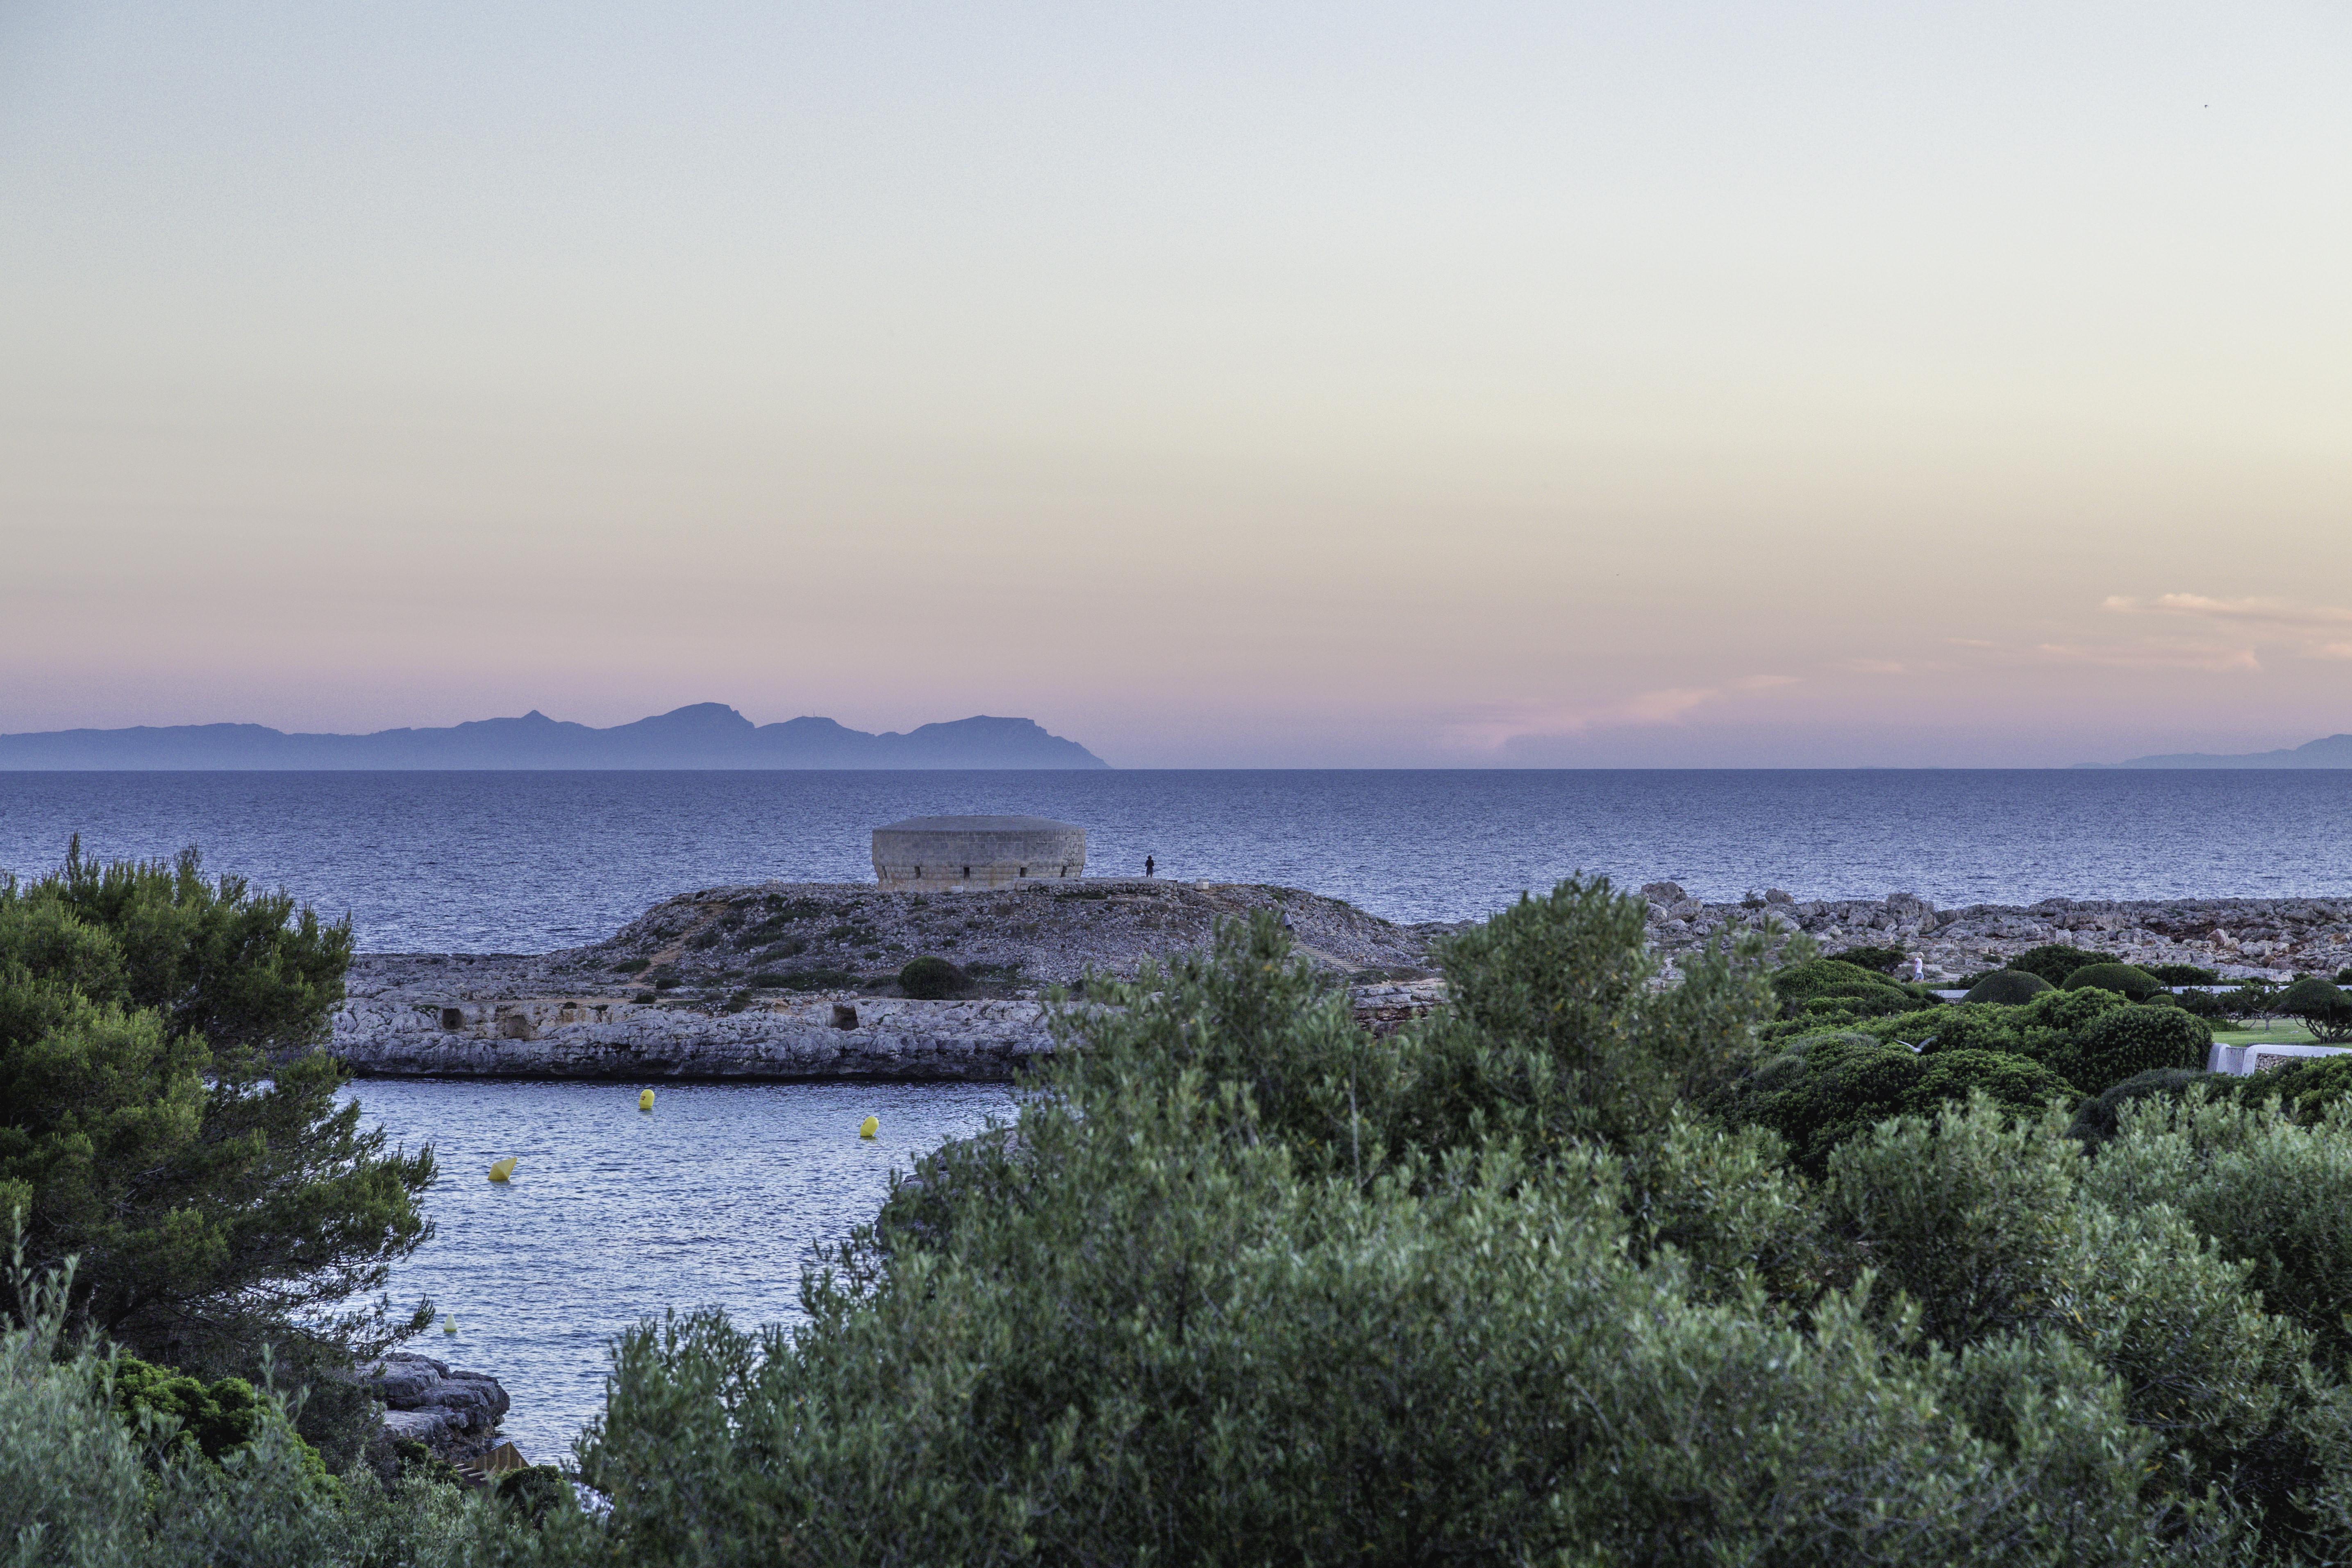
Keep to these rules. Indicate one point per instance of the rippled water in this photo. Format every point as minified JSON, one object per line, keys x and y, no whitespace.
{"x":524,"y":862}
{"x":714,"y":1198}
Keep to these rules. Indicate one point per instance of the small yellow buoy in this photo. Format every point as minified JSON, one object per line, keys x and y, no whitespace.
{"x":871,"y":1126}
{"x":503,"y":1169}
{"x":645,"y":1100}
{"x":449,"y":1324}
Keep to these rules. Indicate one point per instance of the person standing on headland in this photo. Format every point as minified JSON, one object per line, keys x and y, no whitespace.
{"x":1147,"y":867}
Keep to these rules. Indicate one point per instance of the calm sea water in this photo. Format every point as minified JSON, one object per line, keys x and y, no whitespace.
{"x":714,"y":1198}
{"x":718,"y":1196}
{"x":524,"y":862}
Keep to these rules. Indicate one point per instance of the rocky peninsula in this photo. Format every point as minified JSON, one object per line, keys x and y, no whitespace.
{"x":786,"y":981}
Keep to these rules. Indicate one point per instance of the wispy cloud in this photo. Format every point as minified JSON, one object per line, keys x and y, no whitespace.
{"x":1873,"y":666}
{"x":2316,"y":630}
{"x":1498,"y":727}
{"x":2152,"y":655}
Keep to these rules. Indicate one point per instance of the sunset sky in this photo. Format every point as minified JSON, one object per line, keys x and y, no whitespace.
{"x":1219,"y":384}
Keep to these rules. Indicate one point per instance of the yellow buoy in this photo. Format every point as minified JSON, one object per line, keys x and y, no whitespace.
{"x":645,"y":1100}
{"x":449,"y":1324}
{"x":503,"y":1169}
{"x":871,"y":1126}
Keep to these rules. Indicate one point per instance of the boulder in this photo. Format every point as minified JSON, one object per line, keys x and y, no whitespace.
{"x":452,"y":1412}
{"x":1666,"y":894}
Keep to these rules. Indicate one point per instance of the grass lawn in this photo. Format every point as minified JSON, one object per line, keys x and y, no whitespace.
{"x":2282,"y":1032}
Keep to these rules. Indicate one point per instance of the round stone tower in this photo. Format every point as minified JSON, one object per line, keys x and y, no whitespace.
{"x":946,"y":854}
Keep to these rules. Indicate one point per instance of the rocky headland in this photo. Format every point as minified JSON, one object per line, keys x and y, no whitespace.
{"x":785,"y":981}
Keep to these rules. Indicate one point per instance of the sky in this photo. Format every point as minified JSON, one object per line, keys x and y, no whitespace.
{"x":1267,"y":385}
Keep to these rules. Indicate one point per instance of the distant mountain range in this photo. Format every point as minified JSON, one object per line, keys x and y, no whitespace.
{"x":2335,"y":752}
{"x":705,"y":735}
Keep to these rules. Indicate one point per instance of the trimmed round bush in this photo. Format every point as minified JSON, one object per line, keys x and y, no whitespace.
{"x":2053,"y":961}
{"x":2007,"y":987}
{"x":2096,"y":1121}
{"x":928,"y":979}
{"x":2124,"y":1041}
{"x":1844,"y":990}
{"x":2124,"y":979}
{"x":2321,"y":1004}
{"x":2184,"y":974}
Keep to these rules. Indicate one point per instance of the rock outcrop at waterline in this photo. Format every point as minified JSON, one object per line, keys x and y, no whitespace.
{"x":454,"y":1414}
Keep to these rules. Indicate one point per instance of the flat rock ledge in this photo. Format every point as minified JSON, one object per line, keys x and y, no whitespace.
{"x":454,"y":1414}
{"x":845,"y":1037}
{"x":849,"y":1036}
{"x":2239,"y":938}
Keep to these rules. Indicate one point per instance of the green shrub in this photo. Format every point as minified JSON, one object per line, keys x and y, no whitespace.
{"x":208,"y":1420}
{"x":2007,"y":987}
{"x":2322,"y":1007}
{"x":932,"y":979}
{"x":536,"y":1491}
{"x":767,"y":980}
{"x":2054,"y":961}
{"x":1828,"y":989}
{"x":2132,"y":1039}
{"x":2183,"y":974}
{"x":632,"y":967}
{"x":2344,"y":976}
{"x":1249,"y":1285}
{"x":2269,"y":1193}
{"x":2305,"y":1087}
{"x":2096,"y":1120}
{"x":1961,"y":1026}
{"x":1824,"y":1091}
{"x":2124,"y":979}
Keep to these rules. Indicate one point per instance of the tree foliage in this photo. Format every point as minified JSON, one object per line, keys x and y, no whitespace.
{"x":167,"y":1119}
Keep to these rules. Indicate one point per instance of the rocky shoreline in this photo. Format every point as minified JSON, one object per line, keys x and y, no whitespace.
{"x":785,"y":981}
{"x":2239,"y":938}
{"x":454,"y":1414}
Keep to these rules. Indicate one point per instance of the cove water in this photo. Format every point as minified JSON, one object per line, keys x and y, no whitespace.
{"x":716,"y":1197}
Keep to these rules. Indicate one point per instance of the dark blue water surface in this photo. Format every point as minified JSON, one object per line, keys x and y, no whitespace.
{"x":528,"y":861}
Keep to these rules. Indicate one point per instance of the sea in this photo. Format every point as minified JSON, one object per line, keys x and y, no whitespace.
{"x":721,"y":1195}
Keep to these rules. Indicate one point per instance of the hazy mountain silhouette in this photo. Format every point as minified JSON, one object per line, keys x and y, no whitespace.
{"x":705,"y":735}
{"x":2334,"y":752}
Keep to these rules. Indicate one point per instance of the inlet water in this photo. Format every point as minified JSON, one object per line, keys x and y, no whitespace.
{"x":718,"y":1197}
